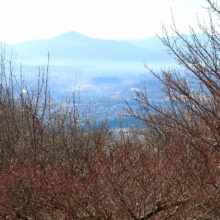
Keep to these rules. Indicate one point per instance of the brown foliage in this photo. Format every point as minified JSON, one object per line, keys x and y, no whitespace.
{"x":52,"y":168}
{"x":186,"y":132}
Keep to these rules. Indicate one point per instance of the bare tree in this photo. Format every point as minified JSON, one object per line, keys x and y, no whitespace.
{"x":187,"y":131}
{"x":54,"y":168}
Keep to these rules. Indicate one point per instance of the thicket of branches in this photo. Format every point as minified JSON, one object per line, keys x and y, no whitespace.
{"x":52,"y":168}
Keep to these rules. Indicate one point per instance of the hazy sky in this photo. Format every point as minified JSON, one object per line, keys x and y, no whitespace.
{"x":22,"y":20}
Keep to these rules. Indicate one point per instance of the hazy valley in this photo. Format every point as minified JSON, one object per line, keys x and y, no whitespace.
{"x":107,"y":72}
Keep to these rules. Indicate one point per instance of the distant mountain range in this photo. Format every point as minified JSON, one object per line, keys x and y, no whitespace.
{"x":73,"y":46}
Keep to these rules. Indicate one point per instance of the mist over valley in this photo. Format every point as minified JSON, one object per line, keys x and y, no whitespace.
{"x":107,"y":72}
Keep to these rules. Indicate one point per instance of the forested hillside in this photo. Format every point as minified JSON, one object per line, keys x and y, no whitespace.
{"x":166,"y":166}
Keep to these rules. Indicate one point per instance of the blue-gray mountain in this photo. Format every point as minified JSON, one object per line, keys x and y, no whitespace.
{"x":72,"y":46}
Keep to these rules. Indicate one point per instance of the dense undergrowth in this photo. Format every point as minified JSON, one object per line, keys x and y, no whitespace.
{"x":52,"y":168}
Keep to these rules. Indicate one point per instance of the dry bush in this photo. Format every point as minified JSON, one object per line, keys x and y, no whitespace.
{"x":52,"y":168}
{"x":186,"y":132}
